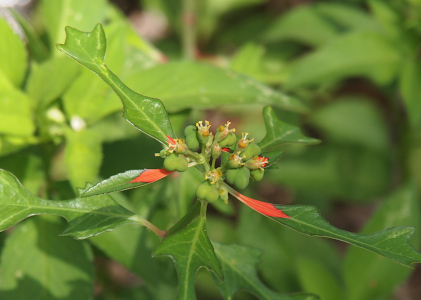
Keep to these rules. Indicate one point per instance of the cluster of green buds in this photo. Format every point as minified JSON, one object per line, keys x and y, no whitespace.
{"x":202,"y":148}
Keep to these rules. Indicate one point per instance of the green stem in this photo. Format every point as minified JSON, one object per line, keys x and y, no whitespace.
{"x":189,"y":29}
{"x":203,"y":207}
{"x":150,"y":226}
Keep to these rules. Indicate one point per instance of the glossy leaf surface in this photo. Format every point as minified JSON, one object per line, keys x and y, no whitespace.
{"x":86,"y":216}
{"x":190,"y":249}
{"x":239,"y":268}
{"x":279,"y":132}
{"x":125,"y":181}
{"x":39,"y":264}
{"x":145,"y":113}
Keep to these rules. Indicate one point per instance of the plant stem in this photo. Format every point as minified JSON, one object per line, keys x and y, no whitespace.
{"x":150,"y":226}
{"x":189,"y":29}
{"x":203,"y":207}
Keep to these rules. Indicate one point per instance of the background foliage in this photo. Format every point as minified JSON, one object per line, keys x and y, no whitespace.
{"x":352,"y":75}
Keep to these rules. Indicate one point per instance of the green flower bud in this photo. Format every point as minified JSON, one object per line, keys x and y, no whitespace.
{"x":170,"y":162}
{"x":163,"y":153}
{"x":189,"y":129}
{"x":230,"y":176}
{"x":216,"y":150}
{"x":257,"y":175}
{"x":182,"y":164}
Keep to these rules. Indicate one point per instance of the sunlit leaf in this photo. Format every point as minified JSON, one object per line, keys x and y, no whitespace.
{"x":145,"y":113}
{"x":86,"y":216}
{"x":190,"y":249}
{"x":15,"y":113}
{"x":39,"y":264}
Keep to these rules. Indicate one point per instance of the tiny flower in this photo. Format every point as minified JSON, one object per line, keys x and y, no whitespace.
{"x":223,"y":132}
{"x":213,"y":176}
{"x":203,"y":130}
{"x":244,"y":141}
{"x":235,"y":160}
{"x":257,"y":162}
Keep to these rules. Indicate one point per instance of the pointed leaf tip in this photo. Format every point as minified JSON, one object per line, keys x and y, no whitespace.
{"x":267,"y":209}
{"x":149,"y":176}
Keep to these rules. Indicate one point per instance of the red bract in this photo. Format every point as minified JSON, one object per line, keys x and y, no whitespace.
{"x":149,"y":176}
{"x":267,"y":209}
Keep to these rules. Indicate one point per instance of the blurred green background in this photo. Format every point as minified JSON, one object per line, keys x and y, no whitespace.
{"x":351,"y":67}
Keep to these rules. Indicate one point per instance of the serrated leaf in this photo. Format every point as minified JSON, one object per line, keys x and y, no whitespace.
{"x":279,"y":133}
{"x":367,"y":276}
{"x":239,"y":268}
{"x":145,"y":113}
{"x":39,"y":264}
{"x":392,"y":242}
{"x":190,"y":249}
{"x":197,"y":85}
{"x":125,"y":181}
{"x":87,"y":217}
{"x":13,"y":56}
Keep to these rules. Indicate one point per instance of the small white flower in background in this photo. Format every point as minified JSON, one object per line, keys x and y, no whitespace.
{"x":77,"y":123}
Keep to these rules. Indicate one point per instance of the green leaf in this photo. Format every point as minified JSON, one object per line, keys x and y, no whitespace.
{"x":116,"y":183}
{"x":392,"y":242}
{"x":197,"y":85}
{"x":278,"y":132}
{"x":302,"y":24}
{"x":83,"y":156}
{"x":48,"y":81}
{"x":145,"y":113}
{"x":39,"y":264}
{"x":410,"y":88}
{"x":239,"y":268}
{"x":367,"y":54}
{"x":87,"y":217}
{"x":353,"y":120}
{"x":316,"y":278}
{"x":15,"y":113}
{"x":13,"y":56}
{"x":190,"y":249}
{"x":76,"y":13}
{"x":368,"y":276}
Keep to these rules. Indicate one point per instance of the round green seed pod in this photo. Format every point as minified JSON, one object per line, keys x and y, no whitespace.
{"x":202,"y":190}
{"x":212,"y":194}
{"x":257,"y":175}
{"x":230,"y":176}
{"x":189,"y":129}
{"x":191,"y":141}
{"x":230,"y":140}
{"x":163,"y":153}
{"x":182,"y":163}
{"x":170,"y":162}
{"x":242,"y":179}
{"x":251,"y":150}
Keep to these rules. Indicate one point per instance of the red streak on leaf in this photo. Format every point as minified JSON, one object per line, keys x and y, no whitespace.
{"x":267,"y":209}
{"x":151,"y":175}
{"x":225,"y":150}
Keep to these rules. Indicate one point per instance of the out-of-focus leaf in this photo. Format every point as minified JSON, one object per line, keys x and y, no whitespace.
{"x":278,"y":133}
{"x":83,"y":155}
{"x":369,"y":276}
{"x":302,"y":24}
{"x":345,"y":15}
{"x":76,"y":13}
{"x":367,"y":54}
{"x":410,"y":88}
{"x":195,"y":85}
{"x":248,"y":59}
{"x":349,"y":172}
{"x":87,"y":217}
{"x":48,"y":81}
{"x":190,"y":250}
{"x":36,"y":47}
{"x":39,"y":264}
{"x":13,"y":55}
{"x":146,"y":114}
{"x":239,"y":268}
{"x":15,"y":113}
{"x":352,"y":120}
{"x":316,"y":278}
